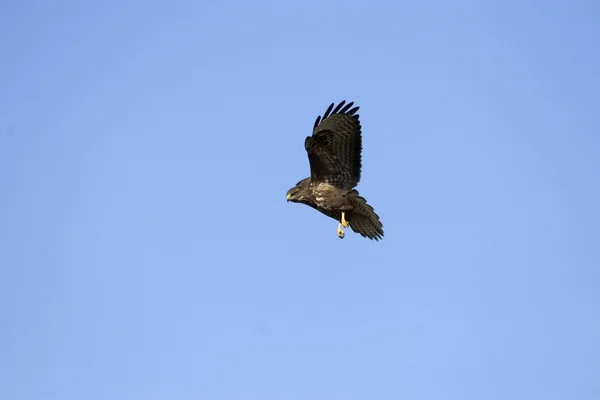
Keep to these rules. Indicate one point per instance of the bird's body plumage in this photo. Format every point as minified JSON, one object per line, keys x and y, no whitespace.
{"x":334,"y":153}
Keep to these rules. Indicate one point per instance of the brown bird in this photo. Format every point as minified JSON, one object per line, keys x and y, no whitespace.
{"x":334,"y":153}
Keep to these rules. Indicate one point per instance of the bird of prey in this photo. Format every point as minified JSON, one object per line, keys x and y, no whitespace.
{"x":334,"y":153}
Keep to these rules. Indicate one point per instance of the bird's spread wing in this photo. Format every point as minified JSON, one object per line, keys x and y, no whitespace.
{"x":334,"y":149}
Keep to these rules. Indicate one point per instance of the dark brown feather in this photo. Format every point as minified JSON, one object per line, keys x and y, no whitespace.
{"x":334,"y":149}
{"x":364,"y":219}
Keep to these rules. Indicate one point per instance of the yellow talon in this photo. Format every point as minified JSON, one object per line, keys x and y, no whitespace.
{"x":340,"y":232}
{"x":344,"y":222}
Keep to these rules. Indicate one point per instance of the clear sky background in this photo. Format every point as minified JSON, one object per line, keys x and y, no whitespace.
{"x":148,"y":251}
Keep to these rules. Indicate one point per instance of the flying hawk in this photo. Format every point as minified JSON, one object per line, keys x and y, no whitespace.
{"x":334,"y":153}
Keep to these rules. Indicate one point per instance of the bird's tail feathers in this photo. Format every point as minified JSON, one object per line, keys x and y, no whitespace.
{"x":364,"y":219}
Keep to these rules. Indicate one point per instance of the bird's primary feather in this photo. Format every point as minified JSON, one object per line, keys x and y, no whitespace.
{"x":334,"y":149}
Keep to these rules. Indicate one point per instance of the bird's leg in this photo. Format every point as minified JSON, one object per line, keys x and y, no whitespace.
{"x":344,"y":222}
{"x":340,"y":232}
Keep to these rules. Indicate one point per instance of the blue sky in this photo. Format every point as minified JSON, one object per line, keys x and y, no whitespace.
{"x":148,"y":252}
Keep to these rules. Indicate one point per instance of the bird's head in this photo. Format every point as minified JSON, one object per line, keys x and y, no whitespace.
{"x":297,"y":194}
{"x":293,"y":194}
